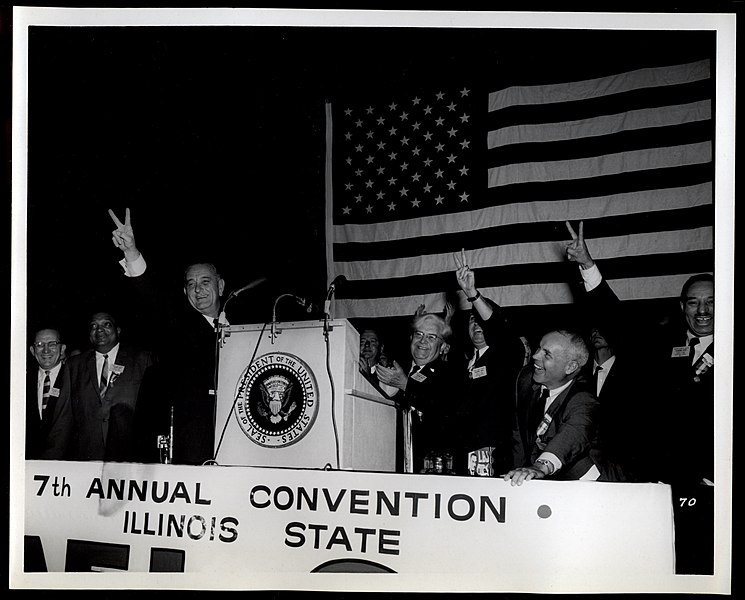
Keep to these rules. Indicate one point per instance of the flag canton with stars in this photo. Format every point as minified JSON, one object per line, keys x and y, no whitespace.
{"x":411,"y":157}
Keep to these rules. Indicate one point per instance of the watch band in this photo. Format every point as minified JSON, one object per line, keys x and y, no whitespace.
{"x":474,"y":298}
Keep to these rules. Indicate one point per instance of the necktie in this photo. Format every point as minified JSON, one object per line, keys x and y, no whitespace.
{"x":595,"y":378}
{"x":45,"y":391}
{"x":692,"y":343}
{"x":104,"y":375}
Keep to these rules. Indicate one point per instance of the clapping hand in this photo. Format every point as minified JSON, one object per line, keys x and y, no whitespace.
{"x":123,"y":236}
{"x":577,"y":249}
{"x":393,"y":375}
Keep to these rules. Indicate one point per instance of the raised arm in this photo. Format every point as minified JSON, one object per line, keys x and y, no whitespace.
{"x":467,"y":282}
{"x":123,"y":236}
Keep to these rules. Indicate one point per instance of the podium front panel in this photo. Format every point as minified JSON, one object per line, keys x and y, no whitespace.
{"x":287,"y":398}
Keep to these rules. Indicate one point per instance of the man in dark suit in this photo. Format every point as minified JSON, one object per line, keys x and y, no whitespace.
{"x":556,"y":412}
{"x":486,"y":393}
{"x":186,"y":343}
{"x":105,"y":382}
{"x":676,"y":381}
{"x":48,"y":416}
{"x":427,"y":397}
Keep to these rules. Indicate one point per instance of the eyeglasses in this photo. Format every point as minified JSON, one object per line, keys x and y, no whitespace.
{"x":50,"y":345}
{"x":430,"y":337}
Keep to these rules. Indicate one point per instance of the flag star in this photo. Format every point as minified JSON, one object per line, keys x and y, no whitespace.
{"x":439,"y":199}
{"x":427,"y":188}
{"x":348,"y":161}
{"x":358,"y":147}
{"x":404,"y":192}
{"x":428,"y":136}
{"x":392,"y":206}
{"x":358,"y":172}
{"x":416,"y":126}
{"x":439,"y":147}
{"x":358,"y":198}
{"x":369,"y":135}
{"x":370,"y":110}
{"x":465,"y":144}
{"x":348,"y":136}
{"x":427,"y":162}
{"x":370,"y":159}
{"x":415,"y":151}
{"x":368,"y":183}
{"x":392,"y":181}
{"x":452,"y":158}
{"x":464,"y":118}
{"x":404,"y":141}
{"x":348,"y":186}
{"x":392,"y":106}
{"x":381,"y":120}
{"x":452,"y":131}
{"x":346,"y":210}
{"x":381,"y":170}
{"x":464,"y":92}
{"x":380,"y":195}
{"x":427,"y":110}
{"x":416,"y":101}
{"x":464,"y":170}
{"x":438,"y":173}
{"x":464,"y":197}
{"x":415,"y":203}
{"x":381,"y":145}
{"x":392,"y":155}
{"x":451,"y":106}
{"x":404,"y":116}
{"x":416,"y":177}
{"x":440,"y":95}
{"x":348,"y":112}
{"x":451,"y":185}
{"x":358,"y":122}
{"x":368,"y":208}
{"x":392,"y":131}
{"x":404,"y":166}
{"x":439,"y":121}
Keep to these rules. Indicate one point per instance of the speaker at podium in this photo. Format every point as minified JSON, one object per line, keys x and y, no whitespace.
{"x":287,"y":398}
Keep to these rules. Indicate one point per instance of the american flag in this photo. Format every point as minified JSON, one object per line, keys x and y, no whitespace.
{"x":415,"y":177}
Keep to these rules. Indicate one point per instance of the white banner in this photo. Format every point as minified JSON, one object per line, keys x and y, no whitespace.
{"x":259,"y":528}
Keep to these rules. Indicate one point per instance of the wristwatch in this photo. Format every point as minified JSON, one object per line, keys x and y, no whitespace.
{"x":549,"y":465}
{"x":474,"y":298}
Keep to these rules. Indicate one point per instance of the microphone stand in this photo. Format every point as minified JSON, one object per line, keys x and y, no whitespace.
{"x":274,"y":331}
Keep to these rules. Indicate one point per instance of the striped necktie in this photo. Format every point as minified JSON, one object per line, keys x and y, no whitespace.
{"x":104,"y":376}
{"x":45,"y":391}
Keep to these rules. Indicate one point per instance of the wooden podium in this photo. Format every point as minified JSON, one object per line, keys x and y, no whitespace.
{"x":287,"y":398}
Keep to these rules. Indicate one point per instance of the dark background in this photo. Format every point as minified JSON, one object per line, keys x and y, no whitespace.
{"x":214,"y":137}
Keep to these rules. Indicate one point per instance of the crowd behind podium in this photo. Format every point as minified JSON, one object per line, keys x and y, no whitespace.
{"x":610,"y":398}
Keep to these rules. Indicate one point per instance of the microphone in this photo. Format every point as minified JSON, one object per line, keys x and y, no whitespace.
{"x":332,"y":288}
{"x":248,"y":286}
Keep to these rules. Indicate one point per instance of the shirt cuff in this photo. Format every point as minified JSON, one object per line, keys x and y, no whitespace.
{"x":591,"y":277}
{"x":552,"y":458}
{"x":134,"y":268}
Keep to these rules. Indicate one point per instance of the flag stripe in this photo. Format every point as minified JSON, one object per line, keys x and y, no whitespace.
{"x":520,"y":233}
{"x":531,"y":212}
{"x":657,"y":80}
{"x":522,"y":274}
{"x":604,"y":125}
{"x":516,"y":253}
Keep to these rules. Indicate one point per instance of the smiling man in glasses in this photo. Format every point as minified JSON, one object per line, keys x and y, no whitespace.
{"x":48,"y":420}
{"x":426,"y":396}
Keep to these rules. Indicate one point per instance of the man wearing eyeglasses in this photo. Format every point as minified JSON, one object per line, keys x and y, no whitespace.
{"x":426,"y":395}
{"x":48,"y":417}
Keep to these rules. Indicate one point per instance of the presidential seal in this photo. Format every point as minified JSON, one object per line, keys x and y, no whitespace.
{"x":276,"y":400}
